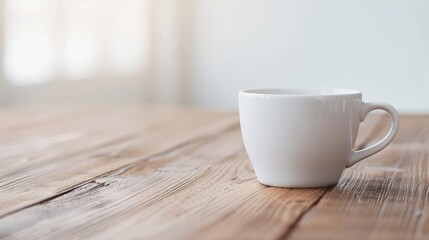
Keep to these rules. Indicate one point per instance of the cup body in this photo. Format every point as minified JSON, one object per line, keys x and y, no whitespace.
{"x":299,"y":138}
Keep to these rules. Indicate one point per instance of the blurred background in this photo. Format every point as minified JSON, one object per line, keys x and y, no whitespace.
{"x":201,"y":52}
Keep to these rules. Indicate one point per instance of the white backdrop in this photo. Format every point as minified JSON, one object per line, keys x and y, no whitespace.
{"x":201,"y":52}
{"x":380,"y":47}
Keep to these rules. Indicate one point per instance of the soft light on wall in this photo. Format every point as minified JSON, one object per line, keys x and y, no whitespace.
{"x":48,"y":40}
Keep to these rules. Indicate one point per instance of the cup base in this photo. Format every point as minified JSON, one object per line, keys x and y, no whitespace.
{"x":298,"y":185}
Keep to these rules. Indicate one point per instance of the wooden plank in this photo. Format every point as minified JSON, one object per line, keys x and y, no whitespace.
{"x":20,"y":148}
{"x":205,"y":189}
{"x":100,"y":148}
{"x":27,"y":144}
{"x":383,"y":197}
{"x":22,"y":117}
{"x":202,"y":189}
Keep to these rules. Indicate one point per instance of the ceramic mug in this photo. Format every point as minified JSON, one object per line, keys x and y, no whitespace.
{"x":303,"y":137}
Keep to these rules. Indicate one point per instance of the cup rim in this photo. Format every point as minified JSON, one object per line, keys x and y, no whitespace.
{"x":300,"y":92}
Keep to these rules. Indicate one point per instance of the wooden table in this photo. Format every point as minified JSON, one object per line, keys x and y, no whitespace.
{"x":135,"y":172}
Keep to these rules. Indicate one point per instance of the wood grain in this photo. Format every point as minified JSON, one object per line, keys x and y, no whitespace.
{"x":133,"y":172}
{"x":20,"y":115}
{"x":384,"y":197}
{"x":203,"y":189}
{"x":77,"y":151}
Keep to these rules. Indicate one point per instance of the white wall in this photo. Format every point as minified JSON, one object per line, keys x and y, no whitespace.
{"x":378,"y":46}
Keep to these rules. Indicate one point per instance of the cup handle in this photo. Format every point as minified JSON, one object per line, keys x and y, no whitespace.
{"x":357,"y":156}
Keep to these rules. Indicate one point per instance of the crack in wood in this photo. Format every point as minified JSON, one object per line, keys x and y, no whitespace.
{"x":292,"y":227}
{"x":204,"y":137}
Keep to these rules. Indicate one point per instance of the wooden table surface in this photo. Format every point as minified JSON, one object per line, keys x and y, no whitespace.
{"x":142,"y":172}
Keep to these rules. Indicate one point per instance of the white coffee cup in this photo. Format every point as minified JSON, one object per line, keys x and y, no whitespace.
{"x":303,"y":137}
